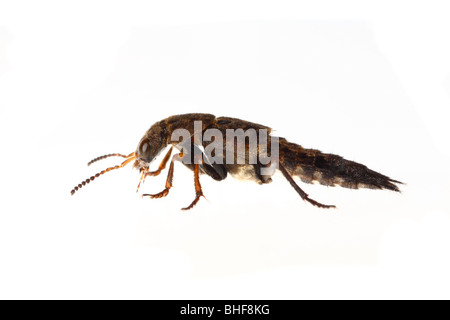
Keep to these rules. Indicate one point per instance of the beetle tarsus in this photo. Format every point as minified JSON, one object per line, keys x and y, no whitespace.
{"x":158,"y":195}
{"x":197,"y":198}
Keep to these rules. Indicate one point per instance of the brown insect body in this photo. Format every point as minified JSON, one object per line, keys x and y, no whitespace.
{"x":307,"y":164}
{"x":330,"y":169}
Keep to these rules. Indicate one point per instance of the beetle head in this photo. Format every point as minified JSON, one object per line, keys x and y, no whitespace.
{"x":143,"y":154}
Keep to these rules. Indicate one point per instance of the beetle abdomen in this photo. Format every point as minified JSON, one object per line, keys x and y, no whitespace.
{"x":329,"y":169}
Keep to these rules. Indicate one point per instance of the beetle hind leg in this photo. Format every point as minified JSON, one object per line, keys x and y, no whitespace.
{"x":302,"y":193}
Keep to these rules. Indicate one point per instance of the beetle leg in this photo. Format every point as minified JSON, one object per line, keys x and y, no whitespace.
{"x":169,"y":179}
{"x":302,"y":193}
{"x":144,"y":171}
{"x":162,"y":166}
{"x":198,"y":188}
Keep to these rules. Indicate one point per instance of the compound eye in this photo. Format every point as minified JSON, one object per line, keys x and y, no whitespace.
{"x":144,"y":149}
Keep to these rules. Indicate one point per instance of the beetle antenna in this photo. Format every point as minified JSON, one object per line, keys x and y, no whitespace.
{"x":123,"y":164}
{"x":109,"y":155}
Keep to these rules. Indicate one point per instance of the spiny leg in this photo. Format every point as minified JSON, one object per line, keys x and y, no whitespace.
{"x":169,"y":179}
{"x":162,"y":166}
{"x":302,"y":193}
{"x":198,"y":188}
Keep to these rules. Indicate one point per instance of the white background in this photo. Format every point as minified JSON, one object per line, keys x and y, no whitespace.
{"x":366,"y":80}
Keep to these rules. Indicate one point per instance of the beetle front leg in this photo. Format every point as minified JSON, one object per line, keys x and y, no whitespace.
{"x":169,"y":179}
{"x":161,"y":167}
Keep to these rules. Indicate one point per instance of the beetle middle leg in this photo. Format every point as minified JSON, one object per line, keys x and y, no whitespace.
{"x":198,"y":188}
